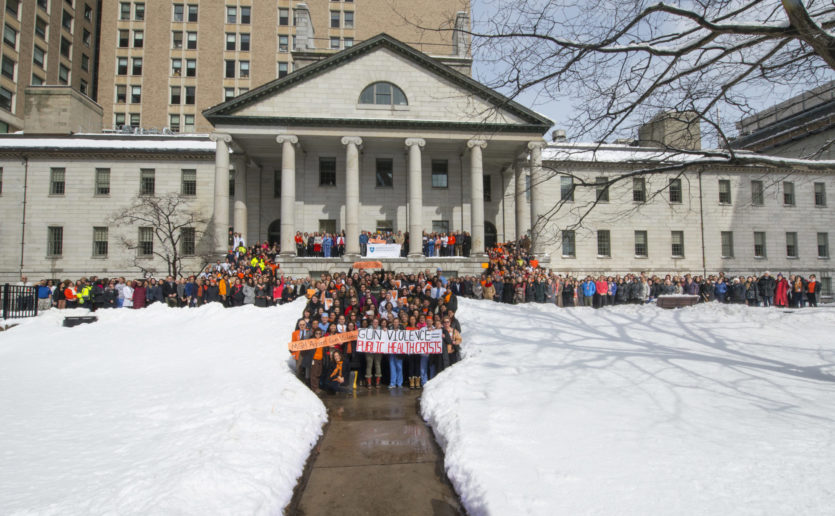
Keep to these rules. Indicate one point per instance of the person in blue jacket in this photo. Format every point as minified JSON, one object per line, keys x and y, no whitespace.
{"x":721,"y":290}
{"x":363,"y":243}
{"x":589,"y":290}
{"x":327,"y":245}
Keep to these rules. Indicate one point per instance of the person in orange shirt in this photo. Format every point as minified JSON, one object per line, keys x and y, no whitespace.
{"x":812,"y":291}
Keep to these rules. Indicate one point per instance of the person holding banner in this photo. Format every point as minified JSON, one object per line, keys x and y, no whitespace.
{"x":303,"y":333}
{"x":395,"y":363}
{"x":375,"y":360}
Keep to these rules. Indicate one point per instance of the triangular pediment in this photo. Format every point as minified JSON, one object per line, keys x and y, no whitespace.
{"x":329,"y":90}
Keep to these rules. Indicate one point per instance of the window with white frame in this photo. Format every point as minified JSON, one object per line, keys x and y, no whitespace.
{"x":102,"y":181}
{"x":146,"y":241}
{"x":823,"y":245}
{"x":791,"y":244}
{"x":759,"y":244}
{"x":641,"y":244}
{"x":677,"y":244}
{"x":727,"y":244}
{"x":99,"y":241}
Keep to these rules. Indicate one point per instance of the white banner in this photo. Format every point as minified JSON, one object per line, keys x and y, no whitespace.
{"x":409,"y":342}
{"x":383,"y":251}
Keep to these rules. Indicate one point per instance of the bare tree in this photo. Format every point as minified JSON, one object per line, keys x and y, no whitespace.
{"x":170,"y":219}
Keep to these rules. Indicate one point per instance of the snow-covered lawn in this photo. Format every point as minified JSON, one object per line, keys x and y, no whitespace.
{"x":155,"y":411}
{"x":712,"y":410}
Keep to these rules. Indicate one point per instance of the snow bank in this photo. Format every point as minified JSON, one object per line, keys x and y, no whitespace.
{"x":636,"y":410}
{"x":155,"y":411}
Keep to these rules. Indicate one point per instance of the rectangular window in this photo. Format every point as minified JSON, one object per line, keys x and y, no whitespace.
{"x":334,"y":43}
{"x":43,"y":4}
{"x":788,"y":193}
{"x":759,"y":244}
{"x":147,"y":181}
{"x":189,"y":182}
{"x":85,"y":37}
{"x":187,"y":241}
{"x":121,"y":94}
{"x":244,"y":68}
{"x":641,"y":244}
{"x":791,"y":244}
{"x":10,"y":37}
{"x":12,"y":7}
{"x":54,"y":241}
{"x":487,"y":187}
{"x":66,"y":21}
{"x":231,"y":14}
{"x":102,"y":181}
{"x":677,"y":241}
{"x":246,"y":15}
{"x":139,"y":12}
{"x":99,"y":242}
{"x":175,"y":95}
{"x":440,"y":173}
{"x":727,"y":244}
{"x":229,"y":71}
{"x":88,"y":13}
{"x":604,"y":243}
{"x":826,"y":286}
{"x":37,"y":80}
{"x":820,"y":194}
{"x":174,"y":123}
{"x":191,"y":67}
{"x":327,"y":171}
{"x":334,"y":19}
{"x":282,"y":70}
{"x":188,"y":124}
{"x":136,"y":68}
{"x":602,"y":189}
{"x":639,"y":189}
{"x":757,"y":197}
{"x":244,"y":42}
{"x":136,"y":94}
{"x":66,"y":48}
{"x":349,"y":19}
{"x":675,"y":191}
{"x":724,"y":191}
{"x":231,"y":41}
{"x":284,"y":16}
{"x":82,"y":86}
{"x":57,"y":185}
{"x":178,"y":13}
{"x":191,"y":40}
{"x":7,"y":67}
{"x":348,"y":42}
{"x":228,"y":93}
{"x":6,"y":97}
{"x":191,"y":94}
{"x":385,"y":173}
{"x":823,"y":245}
{"x":440,"y":226}
{"x":134,"y":119}
{"x":138,"y":39}
{"x":41,"y":27}
{"x":124,"y":11}
{"x":192,"y":13}
{"x":566,"y":188}
{"x":283,"y":42}
{"x":85,"y":63}
{"x":146,"y":242}
{"x":277,"y":183}
{"x":568,"y":248}
{"x":176,"y":67}
{"x":118,"y":119}
{"x":177,"y":39}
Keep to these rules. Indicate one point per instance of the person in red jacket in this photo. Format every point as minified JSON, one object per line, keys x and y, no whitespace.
{"x":601,"y":290}
{"x":781,"y":294}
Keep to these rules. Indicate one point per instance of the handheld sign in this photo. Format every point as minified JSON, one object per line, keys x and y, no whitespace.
{"x":405,"y":342}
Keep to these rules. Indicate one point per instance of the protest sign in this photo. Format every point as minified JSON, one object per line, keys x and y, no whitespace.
{"x":339,"y":338}
{"x":383,"y":251}
{"x":412,"y":342}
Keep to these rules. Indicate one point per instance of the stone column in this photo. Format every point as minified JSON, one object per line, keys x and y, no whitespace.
{"x":537,"y":199}
{"x":476,"y":196}
{"x":288,"y":193}
{"x":415,"y":196}
{"x":522,"y":212}
{"x":220,"y":216}
{"x":352,"y":194}
{"x":240,"y":214}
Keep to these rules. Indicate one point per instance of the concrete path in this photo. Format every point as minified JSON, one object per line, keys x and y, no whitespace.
{"x":377,"y":457}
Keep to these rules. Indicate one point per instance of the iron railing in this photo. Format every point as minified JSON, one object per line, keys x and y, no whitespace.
{"x":19,"y":301}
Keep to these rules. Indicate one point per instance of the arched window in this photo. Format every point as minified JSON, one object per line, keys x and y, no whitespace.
{"x":274,"y":232}
{"x":383,"y":94}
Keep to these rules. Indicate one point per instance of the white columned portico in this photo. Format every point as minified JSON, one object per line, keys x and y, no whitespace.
{"x":352,"y":194}
{"x":220,"y":214}
{"x":522,"y":211}
{"x":415,"y":196}
{"x":537,"y":200}
{"x":476,"y":196}
{"x":240,"y":212}
{"x":288,"y":193}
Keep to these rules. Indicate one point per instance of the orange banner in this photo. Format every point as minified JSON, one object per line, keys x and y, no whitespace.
{"x":339,"y":338}
{"x":376,"y":241}
{"x":367,"y":265}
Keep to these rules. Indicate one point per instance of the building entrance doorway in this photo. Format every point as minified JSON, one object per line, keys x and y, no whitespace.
{"x":490,"y":235}
{"x":274,"y":232}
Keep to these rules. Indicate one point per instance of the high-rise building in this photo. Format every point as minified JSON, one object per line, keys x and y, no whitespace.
{"x":160,"y":67}
{"x":45,"y":42}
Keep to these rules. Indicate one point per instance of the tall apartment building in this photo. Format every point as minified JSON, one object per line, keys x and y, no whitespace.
{"x":161,"y":67}
{"x":45,"y":42}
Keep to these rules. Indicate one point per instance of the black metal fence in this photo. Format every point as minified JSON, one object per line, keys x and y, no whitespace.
{"x":19,"y":301}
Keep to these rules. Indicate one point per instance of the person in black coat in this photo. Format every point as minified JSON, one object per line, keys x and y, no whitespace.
{"x":767,"y":285}
{"x":737,"y":292}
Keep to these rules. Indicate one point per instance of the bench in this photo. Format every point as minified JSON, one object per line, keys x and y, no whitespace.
{"x":69,"y":322}
{"x":676,"y":301}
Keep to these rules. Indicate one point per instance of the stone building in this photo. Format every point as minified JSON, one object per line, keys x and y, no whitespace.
{"x":162,"y":66}
{"x":45,"y":42}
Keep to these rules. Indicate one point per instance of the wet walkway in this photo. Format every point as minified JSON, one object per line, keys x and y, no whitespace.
{"x":377,"y":457}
